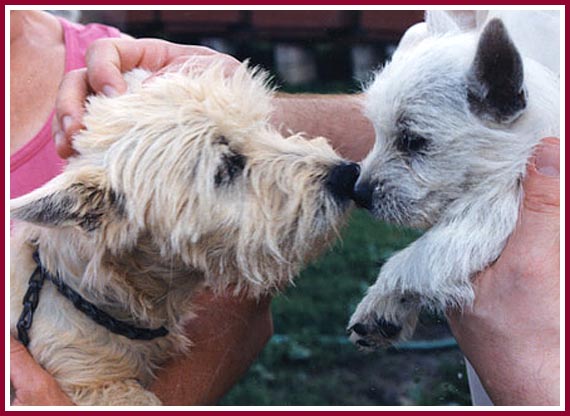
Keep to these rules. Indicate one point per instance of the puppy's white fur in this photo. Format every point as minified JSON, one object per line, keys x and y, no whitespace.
{"x":180,"y":183}
{"x":444,"y":162}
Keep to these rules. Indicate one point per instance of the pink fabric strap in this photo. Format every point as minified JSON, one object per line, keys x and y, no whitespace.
{"x":37,"y":162}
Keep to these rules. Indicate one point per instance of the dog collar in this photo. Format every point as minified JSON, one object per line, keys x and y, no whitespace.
{"x":32,"y":297}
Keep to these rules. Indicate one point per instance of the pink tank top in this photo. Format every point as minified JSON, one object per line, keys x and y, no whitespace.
{"x":37,"y":161}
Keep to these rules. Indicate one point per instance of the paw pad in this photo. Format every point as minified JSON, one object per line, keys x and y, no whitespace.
{"x":373,"y":335}
{"x":387,"y":329}
{"x":359,"y":329}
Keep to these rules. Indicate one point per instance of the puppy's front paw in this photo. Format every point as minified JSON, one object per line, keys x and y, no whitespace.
{"x":371,"y":334}
{"x":380,"y":322}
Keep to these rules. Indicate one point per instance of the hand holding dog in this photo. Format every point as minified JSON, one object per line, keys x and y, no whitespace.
{"x":512,"y":333}
{"x":33,"y":385}
{"x":106,"y":60}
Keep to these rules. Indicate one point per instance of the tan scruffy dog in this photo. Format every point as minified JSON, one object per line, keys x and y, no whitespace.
{"x":180,"y":183}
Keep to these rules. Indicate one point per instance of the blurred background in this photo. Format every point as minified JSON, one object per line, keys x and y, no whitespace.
{"x":325,"y":50}
{"x":309,"y":360}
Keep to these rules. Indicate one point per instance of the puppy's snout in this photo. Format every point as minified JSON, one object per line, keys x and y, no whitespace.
{"x":341,"y":180}
{"x":362,"y":195}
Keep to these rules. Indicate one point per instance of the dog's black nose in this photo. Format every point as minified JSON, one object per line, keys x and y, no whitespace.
{"x":341,"y":180}
{"x":362,"y":195}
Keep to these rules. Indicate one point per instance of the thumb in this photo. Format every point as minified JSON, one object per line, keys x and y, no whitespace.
{"x":539,"y":220}
{"x":542,"y":184}
{"x":22,"y":365}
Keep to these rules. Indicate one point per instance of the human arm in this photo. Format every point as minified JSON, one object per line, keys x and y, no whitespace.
{"x":228,"y":334}
{"x":339,"y":118}
{"x":511,"y":335}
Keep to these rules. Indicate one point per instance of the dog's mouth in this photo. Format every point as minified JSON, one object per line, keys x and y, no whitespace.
{"x":400,"y":212}
{"x":382,"y":205}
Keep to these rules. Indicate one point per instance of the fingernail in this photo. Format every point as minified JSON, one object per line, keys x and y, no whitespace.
{"x":110,"y":91}
{"x":66,"y":122}
{"x":58,"y":138}
{"x":547,"y":160}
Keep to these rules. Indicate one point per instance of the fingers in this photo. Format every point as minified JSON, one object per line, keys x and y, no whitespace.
{"x":542,"y":185}
{"x":106,"y":61}
{"x":33,"y":385}
{"x":69,"y":106}
{"x":536,"y":238}
{"x":25,"y":373}
{"x":22,"y":365}
{"x":538,"y":232}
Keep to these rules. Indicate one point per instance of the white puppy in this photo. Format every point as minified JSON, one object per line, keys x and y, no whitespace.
{"x":457,"y":113}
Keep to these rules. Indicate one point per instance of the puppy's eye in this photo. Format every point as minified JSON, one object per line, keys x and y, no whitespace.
{"x":232,"y":164}
{"x":411,"y":143}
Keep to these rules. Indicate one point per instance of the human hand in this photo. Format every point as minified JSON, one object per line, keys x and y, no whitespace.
{"x":106,"y":60}
{"x":32,"y":384}
{"x":511,"y":335}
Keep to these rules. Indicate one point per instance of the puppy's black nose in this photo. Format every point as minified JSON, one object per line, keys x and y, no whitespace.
{"x":362,"y":195}
{"x":341,"y":180}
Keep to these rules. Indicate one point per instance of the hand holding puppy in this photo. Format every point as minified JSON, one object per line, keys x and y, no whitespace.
{"x":511,"y":335}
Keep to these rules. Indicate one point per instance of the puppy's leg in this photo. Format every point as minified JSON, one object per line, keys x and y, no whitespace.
{"x":382,"y":318}
{"x":388,"y":312}
{"x":433,"y":272}
{"x":120,"y":393}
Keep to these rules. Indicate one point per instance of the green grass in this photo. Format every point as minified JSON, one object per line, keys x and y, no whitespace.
{"x":328,"y":290}
{"x":309,"y":360}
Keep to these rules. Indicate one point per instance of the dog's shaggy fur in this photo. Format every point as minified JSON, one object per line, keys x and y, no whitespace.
{"x":180,"y":183}
{"x":457,"y":114}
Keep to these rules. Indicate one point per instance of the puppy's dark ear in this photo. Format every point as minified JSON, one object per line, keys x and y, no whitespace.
{"x":63,"y":203}
{"x":495,"y":90}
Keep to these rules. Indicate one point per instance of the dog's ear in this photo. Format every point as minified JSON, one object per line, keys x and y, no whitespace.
{"x":412,"y":37}
{"x":63,"y":202}
{"x":440,"y":22}
{"x":495,"y":90}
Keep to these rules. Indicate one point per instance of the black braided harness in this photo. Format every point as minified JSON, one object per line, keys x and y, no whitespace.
{"x":32,"y":297}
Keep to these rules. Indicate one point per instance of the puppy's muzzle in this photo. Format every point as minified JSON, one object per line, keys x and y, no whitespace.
{"x":341,"y":180}
{"x":362,"y":195}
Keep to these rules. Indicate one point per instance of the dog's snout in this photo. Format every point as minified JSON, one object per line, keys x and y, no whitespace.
{"x":342,"y":178}
{"x":362,"y":195}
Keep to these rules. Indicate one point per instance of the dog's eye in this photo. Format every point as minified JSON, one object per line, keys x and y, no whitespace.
{"x":411,"y":143}
{"x":231,"y":166}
